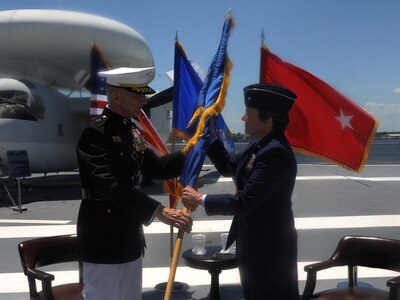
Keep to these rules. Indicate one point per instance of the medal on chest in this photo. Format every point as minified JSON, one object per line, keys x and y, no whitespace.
{"x":139,"y":143}
{"x":250,"y":163}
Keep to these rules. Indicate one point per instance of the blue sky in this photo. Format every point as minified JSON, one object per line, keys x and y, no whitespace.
{"x":354,"y":45}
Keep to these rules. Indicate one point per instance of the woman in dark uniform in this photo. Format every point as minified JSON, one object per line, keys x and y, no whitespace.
{"x":263,"y":223}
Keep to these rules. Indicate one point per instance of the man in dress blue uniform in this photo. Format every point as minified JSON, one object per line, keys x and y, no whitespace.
{"x":263,"y":223}
{"x":111,"y":154}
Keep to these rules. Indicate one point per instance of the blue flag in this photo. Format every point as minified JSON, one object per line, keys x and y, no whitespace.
{"x":210,"y":103}
{"x":224,"y":135}
{"x":187,"y":85}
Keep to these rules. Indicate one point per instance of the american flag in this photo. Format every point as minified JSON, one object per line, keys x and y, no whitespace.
{"x":97,"y":84}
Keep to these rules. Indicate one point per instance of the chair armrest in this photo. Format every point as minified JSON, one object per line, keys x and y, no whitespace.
{"x":40,"y":275}
{"x":312,"y":270}
{"x":321,"y":266}
{"x":393,"y":282}
{"x":394,"y":286}
{"x":45,"y":278}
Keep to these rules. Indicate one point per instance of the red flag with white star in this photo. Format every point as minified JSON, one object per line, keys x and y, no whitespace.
{"x":323,"y":122}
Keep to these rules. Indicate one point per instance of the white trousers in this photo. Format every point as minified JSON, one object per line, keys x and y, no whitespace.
{"x":113,"y":281}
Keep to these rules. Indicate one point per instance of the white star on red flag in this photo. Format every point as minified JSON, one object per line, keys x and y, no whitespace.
{"x":345,"y":120}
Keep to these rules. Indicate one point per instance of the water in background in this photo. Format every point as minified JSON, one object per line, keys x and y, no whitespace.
{"x":382,"y":151}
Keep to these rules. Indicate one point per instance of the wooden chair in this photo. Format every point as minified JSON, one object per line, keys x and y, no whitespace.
{"x":353,"y":251}
{"x":46,"y":251}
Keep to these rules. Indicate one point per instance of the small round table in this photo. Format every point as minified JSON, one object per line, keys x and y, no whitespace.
{"x":214,"y":263}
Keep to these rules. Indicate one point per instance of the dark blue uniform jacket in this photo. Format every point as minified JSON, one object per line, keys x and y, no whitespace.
{"x":263,"y":224}
{"x":110,"y":219}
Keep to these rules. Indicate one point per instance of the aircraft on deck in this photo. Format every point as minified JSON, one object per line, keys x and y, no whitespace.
{"x":43,"y":108}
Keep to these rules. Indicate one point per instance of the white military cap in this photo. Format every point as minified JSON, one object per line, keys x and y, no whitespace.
{"x":135,"y":80}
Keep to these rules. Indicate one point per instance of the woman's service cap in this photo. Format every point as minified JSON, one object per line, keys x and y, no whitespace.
{"x":268,"y":96}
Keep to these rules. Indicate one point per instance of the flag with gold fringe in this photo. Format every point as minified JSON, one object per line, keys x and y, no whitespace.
{"x":187,"y":85}
{"x":186,"y":90}
{"x":210,"y":103}
{"x":323,"y":122}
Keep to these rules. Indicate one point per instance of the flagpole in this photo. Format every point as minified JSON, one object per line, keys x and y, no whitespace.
{"x":174,"y":262}
{"x":171,"y":232}
{"x":262,"y":37}
{"x":171,"y":242}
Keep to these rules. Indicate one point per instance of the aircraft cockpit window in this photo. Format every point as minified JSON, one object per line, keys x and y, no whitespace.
{"x":14,"y":97}
{"x":14,"y":105}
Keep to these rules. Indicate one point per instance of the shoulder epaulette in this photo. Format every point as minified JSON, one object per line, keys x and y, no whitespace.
{"x":100,"y":120}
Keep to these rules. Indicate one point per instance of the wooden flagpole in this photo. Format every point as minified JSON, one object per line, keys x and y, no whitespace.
{"x":175,"y":252}
{"x":174,"y":262}
{"x":171,"y":231}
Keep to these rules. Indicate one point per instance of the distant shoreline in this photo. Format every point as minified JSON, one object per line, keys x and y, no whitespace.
{"x":240,"y":138}
{"x":245,"y":142}
{"x":382,"y":151}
